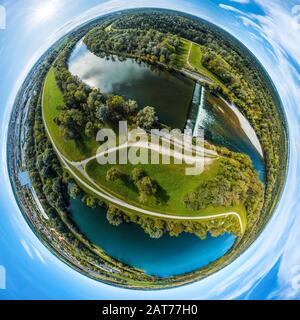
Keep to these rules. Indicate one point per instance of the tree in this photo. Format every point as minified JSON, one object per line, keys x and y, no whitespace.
{"x":48,"y":156}
{"x":146,"y":118}
{"x":94,"y":100}
{"x":116,"y":103}
{"x":103,"y":113}
{"x":90,"y":201}
{"x":90,"y":130}
{"x":137,"y":175}
{"x":80,"y":96}
{"x":114,"y":216}
{"x":147,"y":186}
{"x":131,"y":106}
{"x":70,"y":122}
{"x":113,"y":174}
{"x":74,"y":191}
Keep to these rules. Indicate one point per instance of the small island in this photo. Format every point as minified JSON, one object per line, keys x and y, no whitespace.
{"x":62,"y":149}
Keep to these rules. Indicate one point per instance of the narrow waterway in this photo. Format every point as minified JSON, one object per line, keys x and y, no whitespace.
{"x":171,"y":94}
{"x":168,"y":256}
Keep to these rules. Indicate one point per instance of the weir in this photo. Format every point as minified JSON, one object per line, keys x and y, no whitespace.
{"x":196,"y":112}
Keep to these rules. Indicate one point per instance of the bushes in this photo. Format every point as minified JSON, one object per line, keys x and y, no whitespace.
{"x":235,"y":183}
{"x":151,"y":45}
{"x":144,"y":184}
{"x":114,"y":174}
{"x":147,"y":118}
{"x":114,"y":216}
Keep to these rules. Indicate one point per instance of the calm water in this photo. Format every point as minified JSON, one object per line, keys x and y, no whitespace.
{"x":170,"y":93}
{"x":162,"y":257}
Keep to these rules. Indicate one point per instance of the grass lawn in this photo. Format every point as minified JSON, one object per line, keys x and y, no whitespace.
{"x":52,"y":102}
{"x":182,"y":54}
{"x":173,"y":183}
{"x":192,"y":53}
{"x":173,"y":186}
{"x":195,"y":60}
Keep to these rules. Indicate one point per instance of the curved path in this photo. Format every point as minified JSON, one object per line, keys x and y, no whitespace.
{"x":107,"y":196}
{"x":202,"y":155}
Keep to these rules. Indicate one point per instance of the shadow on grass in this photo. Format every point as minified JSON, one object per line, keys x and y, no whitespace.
{"x":162,"y":195}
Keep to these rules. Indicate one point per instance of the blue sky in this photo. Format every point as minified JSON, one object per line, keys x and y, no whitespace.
{"x":269,"y":269}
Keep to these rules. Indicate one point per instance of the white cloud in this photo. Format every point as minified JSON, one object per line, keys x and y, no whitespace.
{"x":230,"y":8}
{"x":241,"y":1}
{"x":26,"y":247}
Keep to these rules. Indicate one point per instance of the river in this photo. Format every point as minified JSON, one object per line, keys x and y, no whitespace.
{"x":164,"y":257}
{"x":172,"y":95}
{"x":169,"y":93}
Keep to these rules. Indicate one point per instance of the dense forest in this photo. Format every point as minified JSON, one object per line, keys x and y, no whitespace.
{"x":152,"y":45}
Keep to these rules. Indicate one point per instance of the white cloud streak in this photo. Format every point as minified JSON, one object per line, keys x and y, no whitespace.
{"x":241,"y":1}
{"x":230,"y":8}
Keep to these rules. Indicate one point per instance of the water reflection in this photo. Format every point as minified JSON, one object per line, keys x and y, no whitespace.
{"x":170,"y":93}
{"x":163,"y":257}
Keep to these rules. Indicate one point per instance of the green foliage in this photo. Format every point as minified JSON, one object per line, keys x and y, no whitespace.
{"x":137,"y":174}
{"x":145,"y":185}
{"x":150,"y":45}
{"x":90,"y":201}
{"x":147,"y":118}
{"x":235,"y":183}
{"x":114,"y":216}
{"x":131,"y":107}
{"x":70,"y":122}
{"x":95,"y":99}
{"x":103,"y":113}
{"x":90,"y":130}
{"x":75,"y":191}
{"x":116,"y":103}
{"x":114,"y":174}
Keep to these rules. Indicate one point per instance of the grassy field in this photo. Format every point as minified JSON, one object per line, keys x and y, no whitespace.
{"x":173,"y":186}
{"x":190,"y":57}
{"x":195,"y":59}
{"x":173,"y":183}
{"x":182,"y":54}
{"x":52,"y":103}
